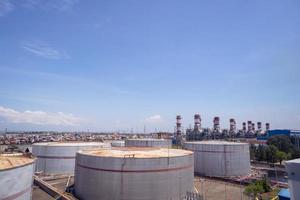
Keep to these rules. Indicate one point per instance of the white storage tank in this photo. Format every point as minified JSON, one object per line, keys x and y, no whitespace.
{"x":148,"y":142}
{"x":220,"y":158}
{"x":134,"y":173}
{"x":59,"y":157}
{"x":293,"y":170}
{"x":16,"y":176}
{"x":118,"y":143}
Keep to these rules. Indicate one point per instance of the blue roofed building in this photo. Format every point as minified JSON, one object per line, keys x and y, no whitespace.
{"x":284,"y":194}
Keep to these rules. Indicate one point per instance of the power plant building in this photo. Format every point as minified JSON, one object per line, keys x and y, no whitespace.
{"x":220,"y":158}
{"x":59,"y":157}
{"x":16,"y":176}
{"x":134,"y":173}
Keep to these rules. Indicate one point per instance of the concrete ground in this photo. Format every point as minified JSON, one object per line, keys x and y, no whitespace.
{"x":211,"y":189}
{"x":38,"y":194}
{"x":217,"y":190}
{"x":58,"y":183}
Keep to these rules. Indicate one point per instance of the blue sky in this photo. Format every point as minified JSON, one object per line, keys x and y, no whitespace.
{"x":120,"y":65}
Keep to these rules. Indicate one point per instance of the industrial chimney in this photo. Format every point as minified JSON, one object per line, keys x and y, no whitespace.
{"x":232,"y":127}
{"x":216,"y":124}
{"x":178,"y":125}
{"x":197,"y":119}
{"x":267,"y":127}
{"x":244,"y":127}
{"x":259,"y":126}
{"x":249,"y":126}
{"x":253,"y":127}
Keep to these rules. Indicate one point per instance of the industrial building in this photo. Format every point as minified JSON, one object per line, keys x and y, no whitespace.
{"x":59,"y":157}
{"x":148,"y":142}
{"x":293,"y":171}
{"x":220,"y":158}
{"x":216,"y":132}
{"x":134,"y":173}
{"x":16,"y":176}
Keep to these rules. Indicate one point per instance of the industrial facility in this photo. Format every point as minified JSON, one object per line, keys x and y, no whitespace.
{"x":196,"y":163}
{"x":16,"y":176}
{"x":134,"y":173}
{"x":59,"y":157}
{"x":216,"y":132}
{"x":220,"y":158}
{"x":148,"y":142}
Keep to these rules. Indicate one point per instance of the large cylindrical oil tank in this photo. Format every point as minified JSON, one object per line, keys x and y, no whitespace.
{"x":59,"y":157}
{"x":118,"y":143}
{"x":293,"y":170}
{"x":134,"y":173}
{"x":148,"y":142}
{"x":16,"y":176}
{"x":220,"y":158}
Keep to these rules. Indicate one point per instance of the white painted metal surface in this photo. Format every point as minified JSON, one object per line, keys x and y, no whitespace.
{"x":16,"y":180}
{"x":57,"y":157}
{"x":220,"y":158}
{"x":118,"y":143}
{"x":134,"y":173}
{"x":293,"y":170}
{"x":148,"y":142}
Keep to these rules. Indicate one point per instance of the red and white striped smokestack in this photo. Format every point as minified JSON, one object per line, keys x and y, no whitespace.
{"x":253,"y":127}
{"x":259,"y":126}
{"x":267,"y":126}
{"x":232,"y":123}
{"x":244,"y":126}
{"x":249,"y":126}
{"x":178,"y":125}
{"x":197,"y":120}
{"x":216,"y":124}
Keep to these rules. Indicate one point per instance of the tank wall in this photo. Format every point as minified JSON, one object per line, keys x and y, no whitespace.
{"x":293,"y":170}
{"x":148,"y":143}
{"x":118,"y":143}
{"x":115,"y":182}
{"x":16,"y":183}
{"x":220,"y":160}
{"x":58,"y":159}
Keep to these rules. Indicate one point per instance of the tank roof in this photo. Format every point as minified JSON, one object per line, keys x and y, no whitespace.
{"x":69,"y":144}
{"x":296,"y":161}
{"x":8,"y":161}
{"x":216,"y":142}
{"x":137,"y":152}
{"x":148,"y":139}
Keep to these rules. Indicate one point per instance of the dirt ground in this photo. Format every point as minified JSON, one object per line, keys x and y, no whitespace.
{"x":218,"y":190}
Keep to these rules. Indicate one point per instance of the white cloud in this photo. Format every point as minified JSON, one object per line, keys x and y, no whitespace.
{"x":38,"y":117}
{"x":60,"y":5}
{"x":5,"y":7}
{"x":42,"y":49}
{"x":154,"y":119}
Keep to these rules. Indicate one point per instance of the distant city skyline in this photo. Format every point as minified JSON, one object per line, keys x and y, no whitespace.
{"x":72,"y":65}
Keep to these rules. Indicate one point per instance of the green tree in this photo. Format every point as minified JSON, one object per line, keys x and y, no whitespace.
{"x":252,"y":152}
{"x":271,"y":153}
{"x":260,"y":153}
{"x":282,"y":142}
{"x":280,"y":156}
{"x":258,"y":187}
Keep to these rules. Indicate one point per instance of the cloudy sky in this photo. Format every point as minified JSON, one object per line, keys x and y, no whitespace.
{"x":120,"y":65}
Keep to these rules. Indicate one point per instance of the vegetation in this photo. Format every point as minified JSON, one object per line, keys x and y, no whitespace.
{"x":258,"y":187}
{"x":282,"y":142}
{"x":278,"y":148}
